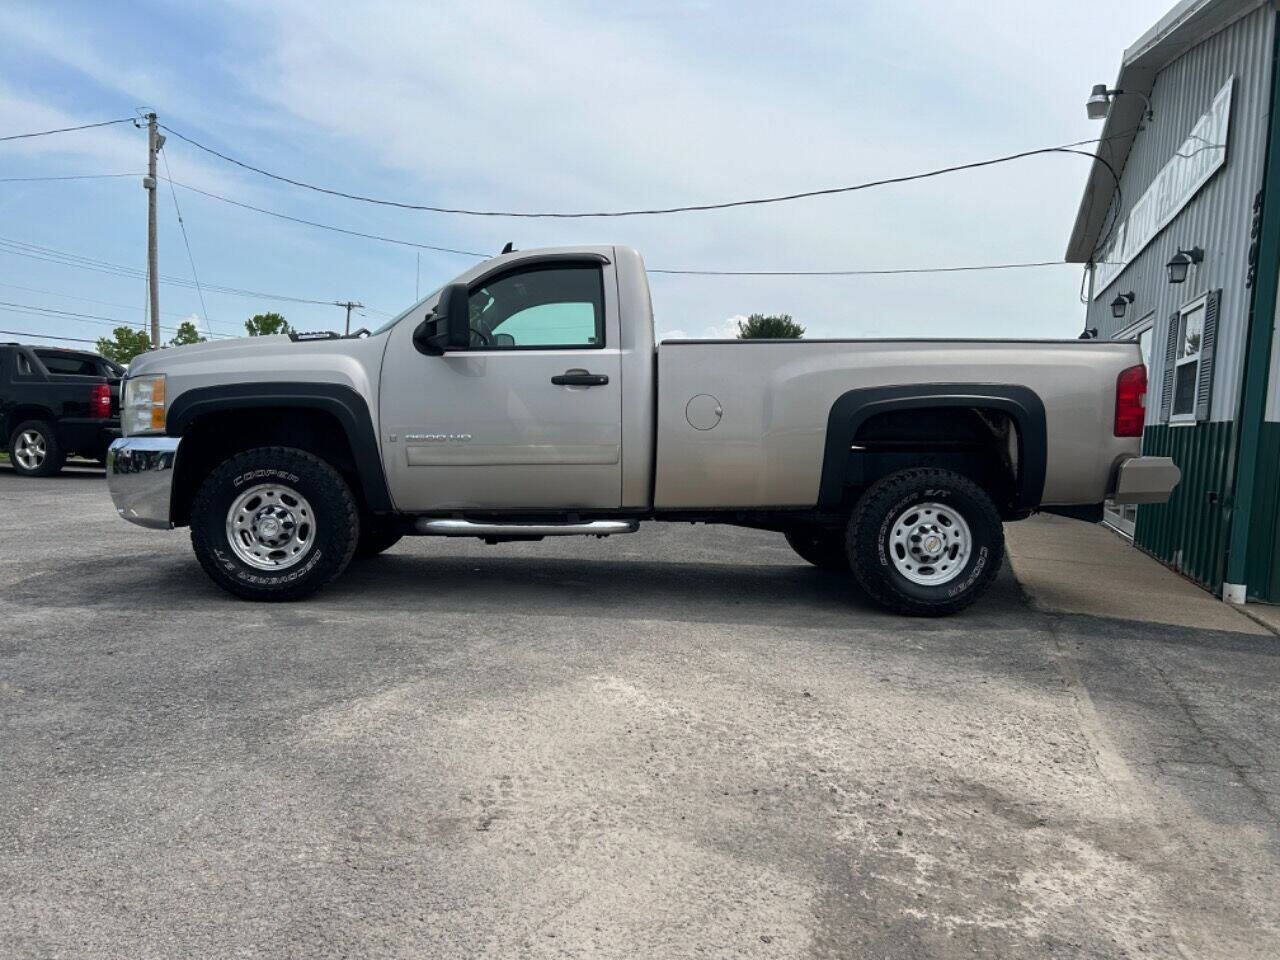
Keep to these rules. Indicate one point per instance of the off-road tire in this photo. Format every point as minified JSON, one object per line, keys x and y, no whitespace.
{"x":825,"y":549}
{"x":54,"y":456}
{"x":869,"y":537}
{"x":337,"y":523}
{"x":376,"y":536}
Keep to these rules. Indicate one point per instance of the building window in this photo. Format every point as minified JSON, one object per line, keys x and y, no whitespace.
{"x":1186,"y":364}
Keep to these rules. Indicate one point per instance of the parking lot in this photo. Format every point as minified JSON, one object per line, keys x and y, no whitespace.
{"x":680,"y":743}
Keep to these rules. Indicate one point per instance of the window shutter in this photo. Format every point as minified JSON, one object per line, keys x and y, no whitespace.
{"x":1208,"y":340}
{"x":1170,"y":355}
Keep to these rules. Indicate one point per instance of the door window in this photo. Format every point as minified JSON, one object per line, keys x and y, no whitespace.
{"x":539,"y":308}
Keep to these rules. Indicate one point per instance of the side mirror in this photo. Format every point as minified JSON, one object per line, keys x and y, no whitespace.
{"x":448,"y":327}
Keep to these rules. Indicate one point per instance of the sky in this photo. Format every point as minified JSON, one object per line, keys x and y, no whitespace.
{"x":554,"y":105}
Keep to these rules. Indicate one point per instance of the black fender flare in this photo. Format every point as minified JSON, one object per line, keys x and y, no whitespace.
{"x":853,"y":408}
{"x":346,"y":406}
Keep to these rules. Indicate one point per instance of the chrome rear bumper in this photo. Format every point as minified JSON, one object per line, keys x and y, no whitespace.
{"x":1146,"y":480}
{"x":140,"y":477}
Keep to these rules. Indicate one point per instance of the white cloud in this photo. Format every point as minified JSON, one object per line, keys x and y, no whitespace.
{"x":726,"y":330}
{"x":563,"y":104}
{"x":556,"y":105}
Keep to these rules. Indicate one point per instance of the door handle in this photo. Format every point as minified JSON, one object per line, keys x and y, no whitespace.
{"x":579,"y":378}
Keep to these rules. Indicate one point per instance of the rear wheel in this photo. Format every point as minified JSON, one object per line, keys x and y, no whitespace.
{"x":822,"y":548}
{"x":34,"y":450}
{"x":274,"y":523}
{"x":925,"y":542}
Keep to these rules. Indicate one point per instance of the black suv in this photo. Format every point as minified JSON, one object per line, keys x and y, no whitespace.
{"x":56,"y":402}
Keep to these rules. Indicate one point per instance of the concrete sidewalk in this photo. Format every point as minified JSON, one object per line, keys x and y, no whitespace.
{"x":1066,"y":566}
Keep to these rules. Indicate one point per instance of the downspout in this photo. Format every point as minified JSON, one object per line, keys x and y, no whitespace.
{"x":1257,"y":355}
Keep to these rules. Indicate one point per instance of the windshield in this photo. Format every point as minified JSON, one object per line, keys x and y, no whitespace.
{"x":404,"y":313}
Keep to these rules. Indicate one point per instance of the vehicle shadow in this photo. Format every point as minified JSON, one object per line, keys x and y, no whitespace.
{"x":613,"y":589}
{"x":71,"y":472}
{"x":782,"y":594}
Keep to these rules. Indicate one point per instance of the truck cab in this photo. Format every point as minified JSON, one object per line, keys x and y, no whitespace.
{"x":529,"y":413}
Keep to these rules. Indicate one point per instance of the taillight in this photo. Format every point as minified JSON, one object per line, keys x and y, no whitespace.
{"x":100,"y":401}
{"x":1131,"y":392}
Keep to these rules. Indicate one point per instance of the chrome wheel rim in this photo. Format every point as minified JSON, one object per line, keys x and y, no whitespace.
{"x":930,"y":543}
{"x":30,"y":450}
{"x":271,"y":527}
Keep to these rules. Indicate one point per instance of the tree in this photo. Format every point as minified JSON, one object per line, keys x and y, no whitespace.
{"x":758,"y":326}
{"x":187,"y":333}
{"x":266,"y":324}
{"x":126,"y":343}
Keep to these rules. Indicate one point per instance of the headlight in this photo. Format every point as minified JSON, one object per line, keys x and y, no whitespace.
{"x":143,"y":408}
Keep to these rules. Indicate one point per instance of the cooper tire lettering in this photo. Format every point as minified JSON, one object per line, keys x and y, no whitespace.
{"x":871,"y":528}
{"x":336,"y":519}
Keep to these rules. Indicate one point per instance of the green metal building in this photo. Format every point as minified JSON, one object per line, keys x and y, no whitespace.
{"x":1179,"y":232}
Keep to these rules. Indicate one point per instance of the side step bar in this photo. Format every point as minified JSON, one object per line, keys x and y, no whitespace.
{"x":469,"y":528}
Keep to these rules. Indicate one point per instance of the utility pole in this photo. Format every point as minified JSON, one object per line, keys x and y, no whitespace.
{"x":154,"y":142}
{"x":350,"y":305}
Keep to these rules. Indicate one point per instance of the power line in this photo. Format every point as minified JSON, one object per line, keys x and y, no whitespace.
{"x":183,"y":227}
{"x":858,"y":273}
{"x":64,"y":313}
{"x":7,"y":306}
{"x":45,"y":336}
{"x":326,"y":226}
{"x":51,"y":255}
{"x":681,"y":272}
{"x":101,"y":303}
{"x":83,"y":126}
{"x":78,"y":176}
{"x":655,"y":211}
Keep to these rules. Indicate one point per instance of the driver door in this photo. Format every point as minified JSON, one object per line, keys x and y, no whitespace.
{"x":530,"y":416}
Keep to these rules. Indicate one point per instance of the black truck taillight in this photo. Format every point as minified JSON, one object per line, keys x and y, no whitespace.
{"x":1131,"y":392}
{"x":100,"y":401}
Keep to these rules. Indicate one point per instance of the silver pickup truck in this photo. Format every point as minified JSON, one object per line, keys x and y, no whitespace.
{"x":528,"y":399}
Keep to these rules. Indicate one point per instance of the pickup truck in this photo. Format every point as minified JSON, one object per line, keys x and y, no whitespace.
{"x":528,"y":399}
{"x":55,"y":402}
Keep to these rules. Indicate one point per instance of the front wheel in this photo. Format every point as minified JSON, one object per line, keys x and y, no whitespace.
{"x":925,"y":542}
{"x":274,"y":523}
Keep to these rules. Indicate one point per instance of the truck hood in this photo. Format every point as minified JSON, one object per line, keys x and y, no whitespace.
{"x":276,"y":360}
{"x":170,"y":358}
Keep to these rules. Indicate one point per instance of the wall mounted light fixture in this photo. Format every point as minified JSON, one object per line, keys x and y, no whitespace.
{"x":1181,"y":262}
{"x":1099,"y":103}
{"x":1120,"y":304}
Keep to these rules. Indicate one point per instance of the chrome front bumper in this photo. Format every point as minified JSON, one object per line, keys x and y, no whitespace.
{"x":1146,"y":480}
{"x":140,"y":477}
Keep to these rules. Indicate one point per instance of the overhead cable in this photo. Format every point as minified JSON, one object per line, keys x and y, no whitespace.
{"x":83,"y":126}
{"x":655,"y":211}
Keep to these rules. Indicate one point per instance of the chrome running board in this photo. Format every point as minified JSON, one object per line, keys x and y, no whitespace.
{"x":470,"y":528}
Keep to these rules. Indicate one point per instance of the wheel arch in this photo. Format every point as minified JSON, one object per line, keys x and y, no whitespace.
{"x":330,"y":420}
{"x":843,"y":466}
{"x":22,"y":412}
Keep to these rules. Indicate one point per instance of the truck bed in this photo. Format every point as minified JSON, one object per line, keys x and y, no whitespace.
{"x":766,"y":449}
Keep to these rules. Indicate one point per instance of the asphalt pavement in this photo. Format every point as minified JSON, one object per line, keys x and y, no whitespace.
{"x":680,"y":743}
